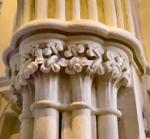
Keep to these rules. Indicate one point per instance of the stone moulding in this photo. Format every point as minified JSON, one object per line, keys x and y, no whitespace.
{"x":75,"y":105}
{"x":82,"y":27}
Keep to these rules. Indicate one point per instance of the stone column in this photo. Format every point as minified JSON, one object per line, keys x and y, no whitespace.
{"x":129,"y":15}
{"x":110,"y":16}
{"x":116,"y":74}
{"x":41,"y":7}
{"x":27,"y":8}
{"x":93,"y":116}
{"x":39,"y":65}
{"x":107,"y":119}
{"x":93,"y":14}
{"x":26,"y":117}
{"x":46,"y":123}
{"x":97,"y":53}
{"x":76,"y":11}
{"x":25,"y":97}
{"x":81,"y":67}
{"x":66,"y":94}
{"x":81,"y":115}
{"x":60,"y":10}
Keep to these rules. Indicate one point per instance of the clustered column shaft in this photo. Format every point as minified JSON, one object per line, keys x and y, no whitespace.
{"x":107,"y":118}
{"x":46,"y":123}
{"x":75,"y":89}
{"x":41,"y":9}
{"x":26,"y":117}
{"x":81,"y":117}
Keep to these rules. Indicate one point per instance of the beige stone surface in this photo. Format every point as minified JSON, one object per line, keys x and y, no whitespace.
{"x":70,"y":72}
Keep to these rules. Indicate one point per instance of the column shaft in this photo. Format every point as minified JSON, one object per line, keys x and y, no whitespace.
{"x":27,"y":11}
{"x":66,"y":126}
{"x":60,"y":9}
{"x":46,"y":124}
{"x":120,"y":13}
{"x":110,"y":13}
{"x":93,"y":116}
{"x":19,"y":12}
{"x":107,"y":103}
{"x":26,"y":116}
{"x":66,"y":100}
{"x":81,"y":124}
{"x":41,"y":9}
{"x":76,"y":9}
{"x":93,"y":127}
{"x":108,"y":127}
{"x":93,"y":10}
{"x":81,"y":117}
{"x":129,"y":16}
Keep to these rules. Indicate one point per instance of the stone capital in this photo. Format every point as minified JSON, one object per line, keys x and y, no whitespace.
{"x":71,"y":57}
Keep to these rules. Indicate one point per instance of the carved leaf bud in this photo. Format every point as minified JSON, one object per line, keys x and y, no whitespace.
{"x":68,"y":54}
{"x":51,"y":60}
{"x":44,"y":69}
{"x":90,"y":52}
{"x":59,"y":47}
{"x":63,"y":62}
{"x":53,"y":47}
{"x":29,"y":69}
{"x":50,"y":44}
{"x":73,"y":61}
{"x":108,"y":66}
{"x":115,"y":72}
{"x":96,"y":64}
{"x":39,"y":56}
{"x":80,"y":48}
{"x":123,"y":80}
{"x":119,"y":60}
{"x":68,"y":71}
{"x":55,"y":67}
{"x":73,"y":49}
{"x":100,"y":70}
{"x":89,"y":70}
{"x":98,"y":51}
{"x":47,"y":51}
{"x":85,"y":62}
{"x":77,"y":67}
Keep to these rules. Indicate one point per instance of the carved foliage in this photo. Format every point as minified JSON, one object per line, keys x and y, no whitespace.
{"x":72,"y":58}
{"x":15,"y":85}
{"x":117,"y":68}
